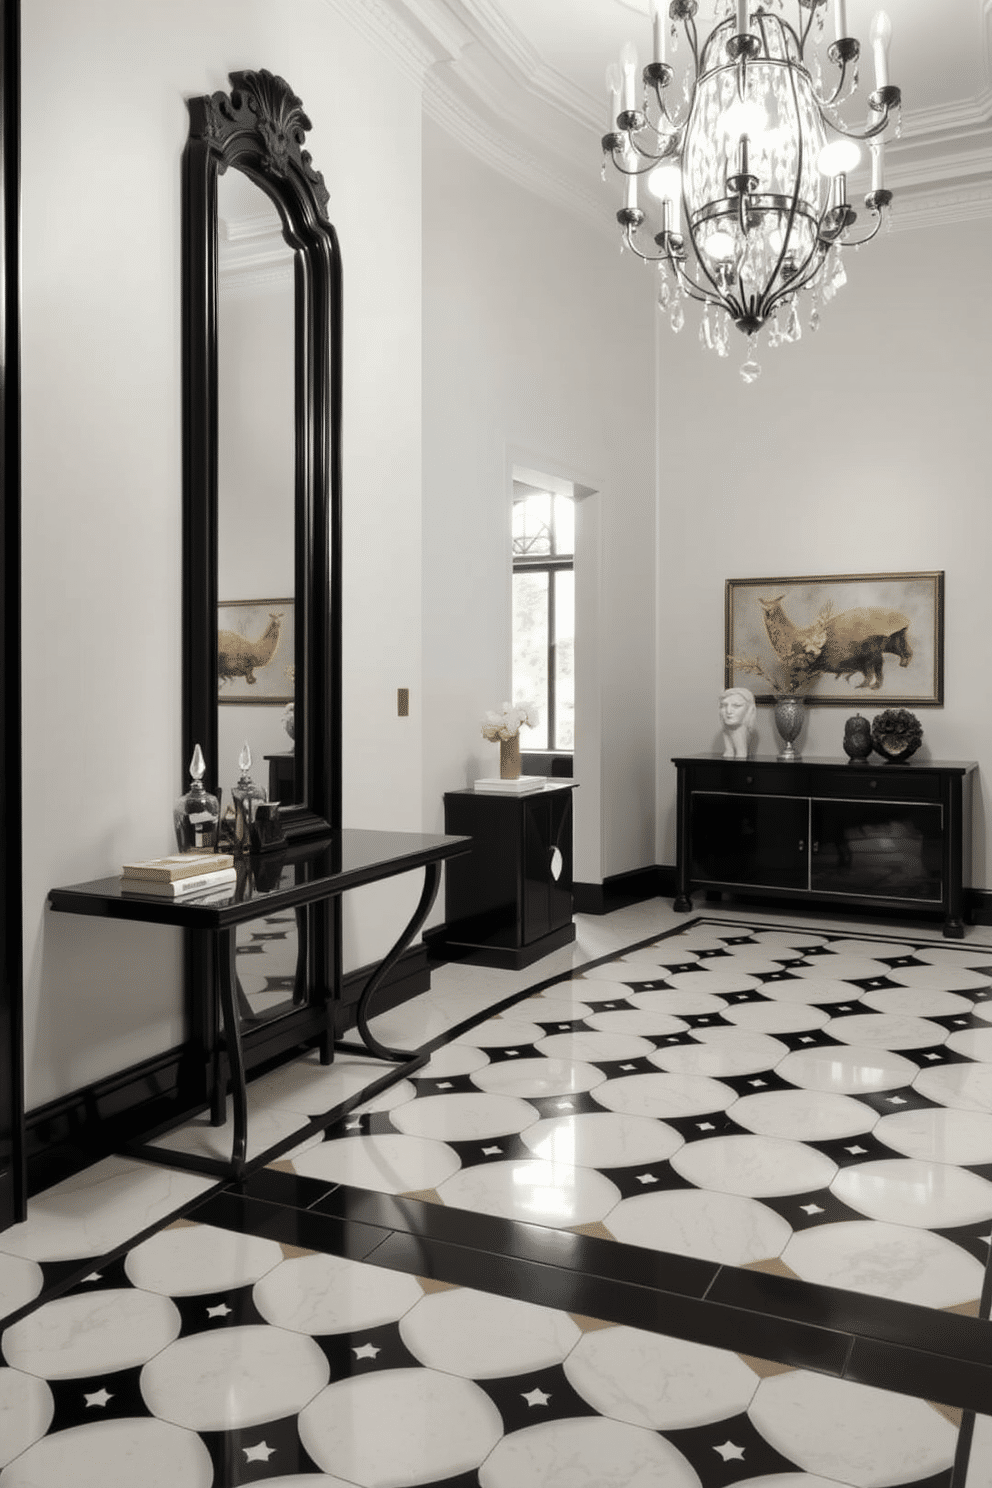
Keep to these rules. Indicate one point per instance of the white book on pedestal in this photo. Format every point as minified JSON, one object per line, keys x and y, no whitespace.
{"x":519,"y":787}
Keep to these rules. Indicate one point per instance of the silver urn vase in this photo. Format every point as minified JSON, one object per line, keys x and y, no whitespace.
{"x":790,"y":714}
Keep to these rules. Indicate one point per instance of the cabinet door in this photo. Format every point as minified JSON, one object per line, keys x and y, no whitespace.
{"x":750,"y":839}
{"x":889,"y":849}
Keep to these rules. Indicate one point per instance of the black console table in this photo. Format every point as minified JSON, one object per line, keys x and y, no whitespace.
{"x":884,"y":836}
{"x":509,"y":901}
{"x":292,"y":880}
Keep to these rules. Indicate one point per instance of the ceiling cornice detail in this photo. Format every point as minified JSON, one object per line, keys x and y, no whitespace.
{"x":937,"y":208}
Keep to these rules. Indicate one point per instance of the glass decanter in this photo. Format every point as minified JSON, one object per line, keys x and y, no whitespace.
{"x":197,"y":814}
{"x":247,"y":796}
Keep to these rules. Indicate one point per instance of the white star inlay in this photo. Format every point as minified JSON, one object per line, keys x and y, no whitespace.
{"x":444,"y":1085}
{"x":535,"y":1396}
{"x":758,"y":1084}
{"x":628,"y":1066}
{"x":897,"y":1100}
{"x":491,"y":1151}
{"x":94,"y":1276}
{"x":985,"y":1239}
{"x":856,"y":1151}
{"x":806,"y":1039}
{"x":812,"y":1209}
{"x":261,"y":1453}
{"x":705,"y":1126}
{"x":646,"y":1178}
{"x":99,"y":1397}
{"x":353,"y":1125}
{"x":221,"y":1310}
{"x":730,"y":1451}
{"x":511,"y":1053}
{"x":367,"y":1351}
{"x":564,"y":1106}
{"x":931,"y":1056}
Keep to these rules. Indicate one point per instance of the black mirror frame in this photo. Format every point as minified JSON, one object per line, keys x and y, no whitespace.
{"x":260,"y":129}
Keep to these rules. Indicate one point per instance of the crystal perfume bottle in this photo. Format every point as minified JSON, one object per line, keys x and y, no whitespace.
{"x":197,"y":814}
{"x":246,"y":795}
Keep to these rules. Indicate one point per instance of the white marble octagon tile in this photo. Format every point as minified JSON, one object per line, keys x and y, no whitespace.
{"x":905,"y":1190}
{"x":776,"y":1017}
{"x":479,"y":1336}
{"x":939,"y":978}
{"x":586,"y":1452}
{"x":463,"y":1117}
{"x":593,"y":1048}
{"x":640,"y":1020}
{"x":538,"y":1077}
{"x":452,"y":1059}
{"x":99,"y":1209}
{"x":198,"y":1258}
{"x":91,"y":1333}
{"x":805,"y":1115}
{"x":664,"y":1095}
{"x":678,"y":1001}
{"x":847,"y":1069}
{"x":662,"y":1383}
{"x":886,"y":1260}
{"x":20,"y":1282}
{"x":502,"y":1033}
{"x":133,"y":1450}
{"x":550,"y":1193}
{"x":916,"y":1002}
{"x":389,"y":1164}
{"x":602,"y":1139}
{"x":329,"y":1294}
{"x":852,"y":1433}
{"x":886,"y":1031}
{"x":721,"y":1051}
{"x":941,"y":1135}
{"x":26,"y":1411}
{"x":810,"y":987}
{"x":753,"y":1166}
{"x":714,"y":1226}
{"x":967,"y":1087}
{"x":974,"y":1043}
{"x":239,"y":1377}
{"x":438,"y":1427}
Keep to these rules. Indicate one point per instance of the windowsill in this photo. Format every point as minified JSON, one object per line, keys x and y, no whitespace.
{"x":556,"y":762}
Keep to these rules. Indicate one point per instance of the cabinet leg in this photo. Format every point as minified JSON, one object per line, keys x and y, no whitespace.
{"x":954,"y":929}
{"x":432,"y":881}
{"x":682,"y":904}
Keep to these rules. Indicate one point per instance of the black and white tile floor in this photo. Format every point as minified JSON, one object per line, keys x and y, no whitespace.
{"x":715,"y":1211}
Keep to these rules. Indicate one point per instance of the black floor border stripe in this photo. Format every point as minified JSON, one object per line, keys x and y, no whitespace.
{"x":912,"y":1371}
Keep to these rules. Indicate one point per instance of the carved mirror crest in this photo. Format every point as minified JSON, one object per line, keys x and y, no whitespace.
{"x":262,"y":422}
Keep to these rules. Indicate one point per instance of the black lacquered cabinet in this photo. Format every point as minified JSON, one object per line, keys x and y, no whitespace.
{"x":891,"y":836}
{"x":509,"y":901}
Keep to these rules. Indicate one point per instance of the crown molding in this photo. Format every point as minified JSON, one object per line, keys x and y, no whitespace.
{"x":414,"y":33}
{"x":938,"y":208}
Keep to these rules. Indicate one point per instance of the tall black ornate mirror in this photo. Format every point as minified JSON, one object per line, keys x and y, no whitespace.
{"x":262,"y":419}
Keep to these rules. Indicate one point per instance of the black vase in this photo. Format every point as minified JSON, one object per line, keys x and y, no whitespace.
{"x":857,"y":739}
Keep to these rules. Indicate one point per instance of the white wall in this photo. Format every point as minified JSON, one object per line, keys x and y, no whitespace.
{"x":104,"y":123}
{"x":860,"y":450}
{"x":537,"y":352}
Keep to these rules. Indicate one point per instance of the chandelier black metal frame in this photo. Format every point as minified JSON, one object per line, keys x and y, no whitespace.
{"x":755,"y":164}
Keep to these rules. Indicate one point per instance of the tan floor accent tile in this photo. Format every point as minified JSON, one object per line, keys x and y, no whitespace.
{"x":183,"y":1224}
{"x":427,"y":1195}
{"x":429,"y":1285}
{"x":952,"y":1413}
{"x":772,"y":1267}
{"x":281,"y":1165}
{"x":765,"y":1368}
{"x":965,"y":1309}
{"x":597,"y":1230}
{"x":294,"y":1252}
{"x":589,"y":1324}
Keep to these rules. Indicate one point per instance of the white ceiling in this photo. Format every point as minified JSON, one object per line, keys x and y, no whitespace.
{"x":521,"y":83}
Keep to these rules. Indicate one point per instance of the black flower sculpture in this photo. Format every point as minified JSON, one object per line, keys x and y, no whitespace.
{"x":896,"y":734}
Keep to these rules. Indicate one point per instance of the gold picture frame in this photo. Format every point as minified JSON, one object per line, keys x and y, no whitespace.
{"x":255,"y":651}
{"x":838,"y":640}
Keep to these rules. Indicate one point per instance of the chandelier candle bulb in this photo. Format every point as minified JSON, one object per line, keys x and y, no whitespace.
{"x":878,"y":165}
{"x":840,"y":19}
{"x":613,"y":94}
{"x":881,"y":35}
{"x":741,"y":17}
{"x":659,"y":32}
{"x":628,"y":62}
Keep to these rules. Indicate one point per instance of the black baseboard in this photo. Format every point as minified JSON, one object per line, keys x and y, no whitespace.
{"x":70,"y":1133}
{"x":978,"y":906}
{"x":622,"y":889}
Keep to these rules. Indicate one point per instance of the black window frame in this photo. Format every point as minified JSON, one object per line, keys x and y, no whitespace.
{"x":549,"y":563}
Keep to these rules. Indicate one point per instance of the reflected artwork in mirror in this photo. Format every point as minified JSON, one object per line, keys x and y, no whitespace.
{"x":262,"y":396}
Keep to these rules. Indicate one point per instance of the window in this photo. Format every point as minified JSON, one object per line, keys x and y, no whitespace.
{"x":544,"y":614}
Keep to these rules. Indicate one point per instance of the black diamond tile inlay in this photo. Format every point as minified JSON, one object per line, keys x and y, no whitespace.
{"x":847,"y":1152}
{"x":493,"y":1150}
{"x":445,"y":1085}
{"x":104,"y":1397}
{"x":758,"y":1083}
{"x":709,"y":1124}
{"x":501,"y":1053}
{"x":366,"y":1351}
{"x":729,"y":1451}
{"x":873,"y":984}
{"x":705,"y":1020}
{"x":646,"y":1178}
{"x":528,"y":1399}
{"x":936,"y":1054}
{"x":897,"y":961}
{"x":210,"y":1313}
{"x":251,"y":1454}
{"x":807,"y":1210}
{"x":618,"y":1069}
{"x":974,"y":1238}
{"x":569,"y":1103}
{"x":106,"y":1276}
{"x":809,"y":1038}
{"x":776,"y":976}
{"x":887,"y":1102}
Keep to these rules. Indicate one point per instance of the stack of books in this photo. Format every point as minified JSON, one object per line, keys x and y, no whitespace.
{"x":178,"y":876}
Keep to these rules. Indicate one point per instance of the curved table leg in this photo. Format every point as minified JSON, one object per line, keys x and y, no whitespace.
{"x":432,"y":881}
{"x":227,"y":984}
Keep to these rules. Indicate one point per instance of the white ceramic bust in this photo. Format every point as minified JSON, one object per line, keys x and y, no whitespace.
{"x":737,"y":714}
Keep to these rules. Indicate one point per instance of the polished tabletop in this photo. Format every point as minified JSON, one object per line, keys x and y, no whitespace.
{"x":280,"y":880}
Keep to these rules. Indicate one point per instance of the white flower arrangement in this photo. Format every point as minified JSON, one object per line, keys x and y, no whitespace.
{"x":507,"y":724}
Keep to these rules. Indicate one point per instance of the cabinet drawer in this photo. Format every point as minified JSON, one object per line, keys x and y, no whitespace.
{"x":744,"y":778}
{"x":853,"y":784}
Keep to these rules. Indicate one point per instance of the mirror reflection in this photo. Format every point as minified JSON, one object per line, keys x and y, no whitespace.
{"x":256,"y":478}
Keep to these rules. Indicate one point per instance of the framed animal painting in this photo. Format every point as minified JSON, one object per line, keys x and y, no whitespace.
{"x":843,"y":639}
{"x":255,"y":643}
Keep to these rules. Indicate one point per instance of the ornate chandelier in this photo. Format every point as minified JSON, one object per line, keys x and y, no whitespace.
{"x":747,"y":174}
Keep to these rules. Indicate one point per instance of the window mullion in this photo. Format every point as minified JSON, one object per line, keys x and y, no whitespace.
{"x":552,"y":637}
